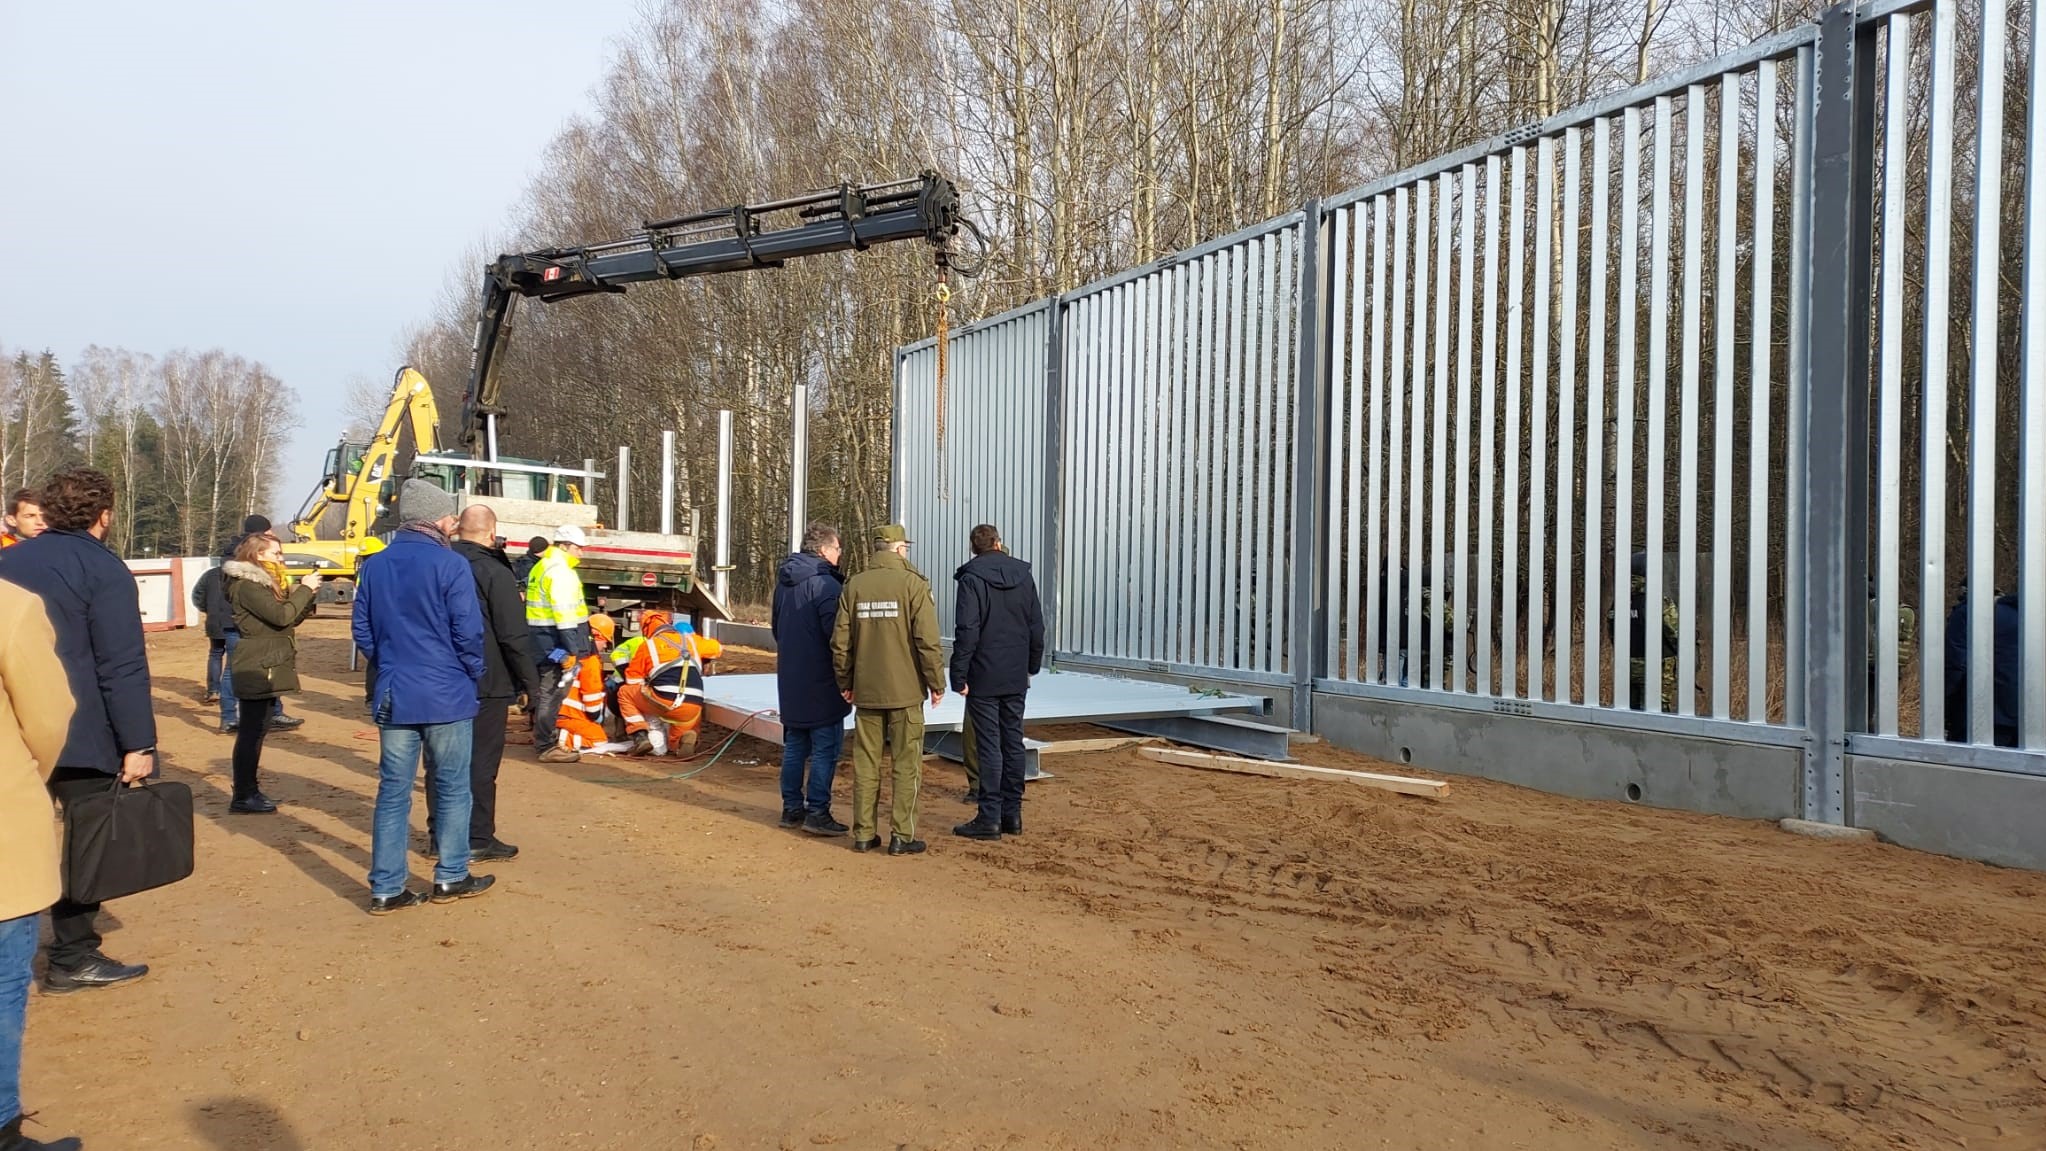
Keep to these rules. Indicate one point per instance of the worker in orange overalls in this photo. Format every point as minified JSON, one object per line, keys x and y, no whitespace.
{"x":579,"y":725}
{"x":663,"y":692}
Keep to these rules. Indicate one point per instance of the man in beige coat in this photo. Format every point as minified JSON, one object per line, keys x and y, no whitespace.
{"x":35,"y":716}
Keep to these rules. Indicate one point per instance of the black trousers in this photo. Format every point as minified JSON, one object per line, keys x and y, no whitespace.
{"x":74,"y":927}
{"x":486,"y":753}
{"x":248,"y":744}
{"x":998,"y":746}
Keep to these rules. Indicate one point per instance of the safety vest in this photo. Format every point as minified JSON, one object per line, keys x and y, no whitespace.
{"x":668,"y":666}
{"x":8,"y":539}
{"x":622,"y":655}
{"x":554,"y":593}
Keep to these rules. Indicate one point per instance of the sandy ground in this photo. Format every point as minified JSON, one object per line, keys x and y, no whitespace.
{"x":1168,"y":958}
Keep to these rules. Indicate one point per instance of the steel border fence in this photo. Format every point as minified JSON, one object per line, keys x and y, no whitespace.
{"x":1253,"y":461}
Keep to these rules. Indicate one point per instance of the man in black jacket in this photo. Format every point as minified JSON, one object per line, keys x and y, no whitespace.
{"x":997,"y":645}
{"x":507,"y":674}
{"x":93,"y":605}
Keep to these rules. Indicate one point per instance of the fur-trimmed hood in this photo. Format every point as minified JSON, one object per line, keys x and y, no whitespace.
{"x":254,"y":573}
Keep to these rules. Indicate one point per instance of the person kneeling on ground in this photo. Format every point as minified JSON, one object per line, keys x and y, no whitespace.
{"x":267,"y":612}
{"x":579,"y":721}
{"x":662,"y":700}
{"x":35,"y":715}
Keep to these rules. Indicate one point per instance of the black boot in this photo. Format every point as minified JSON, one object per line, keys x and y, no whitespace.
{"x":11,"y":1139}
{"x":1012,"y":824}
{"x":980,"y":827}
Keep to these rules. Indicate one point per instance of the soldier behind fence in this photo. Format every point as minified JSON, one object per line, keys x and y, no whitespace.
{"x":1637,"y":641}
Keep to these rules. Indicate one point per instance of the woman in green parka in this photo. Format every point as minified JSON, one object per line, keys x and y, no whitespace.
{"x":267,"y":611}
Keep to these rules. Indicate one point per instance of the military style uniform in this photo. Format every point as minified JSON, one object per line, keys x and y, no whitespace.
{"x":885,"y":650}
{"x":1638,"y":642}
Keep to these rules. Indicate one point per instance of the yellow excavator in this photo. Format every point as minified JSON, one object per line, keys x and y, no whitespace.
{"x":336,"y":529}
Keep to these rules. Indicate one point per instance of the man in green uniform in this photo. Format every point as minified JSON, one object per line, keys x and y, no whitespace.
{"x":884,"y":649}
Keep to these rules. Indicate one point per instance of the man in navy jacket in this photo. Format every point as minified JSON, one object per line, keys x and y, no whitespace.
{"x":418,"y":623}
{"x":997,"y":645}
{"x":812,"y":709}
{"x":93,"y":605}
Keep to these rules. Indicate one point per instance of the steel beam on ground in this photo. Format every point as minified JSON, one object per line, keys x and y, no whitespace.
{"x":1215,"y":732}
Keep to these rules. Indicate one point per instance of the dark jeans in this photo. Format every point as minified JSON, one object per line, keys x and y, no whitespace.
{"x":546,"y":702}
{"x":486,"y":753}
{"x":817,"y":749}
{"x":998,"y":746}
{"x":216,"y":660}
{"x":248,"y":745}
{"x":74,"y":935}
{"x":17,"y":952}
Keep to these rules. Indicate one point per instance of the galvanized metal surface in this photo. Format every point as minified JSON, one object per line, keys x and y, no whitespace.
{"x":995,"y":455}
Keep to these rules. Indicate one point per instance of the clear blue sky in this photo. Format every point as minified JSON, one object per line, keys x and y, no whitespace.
{"x":288,"y":180}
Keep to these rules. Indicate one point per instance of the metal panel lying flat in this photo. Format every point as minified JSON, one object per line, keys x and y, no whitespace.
{"x":750,"y":701}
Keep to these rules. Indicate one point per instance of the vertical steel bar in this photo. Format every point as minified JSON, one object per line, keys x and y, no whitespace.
{"x":1208,"y":618}
{"x":1934,"y":367}
{"x":1595,"y":400}
{"x":1624,"y":421}
{"x":1724,"y":354}
{"x":624,"y":486}
{"x":1413,"y":651}
{"x":1761,"y":388}
{"x":1438,"y":485}
{"x":1376,"y":627}
{"x":1081,"y":458}
{"x":1341,"y":293}
{"x":1130,"y":363}
{"x":1566,"y":412}
{"x":721,"y":575}
{"x":1139,"y":508}
{"x":1185,"y":387}
{"x":1307,"y":659}
{"x":1261,"y":495}
{"x":1982,"y":384}
{"x":1538,"y":396}
{"x":1890,"y":375}
{"x":1285,"y":492}
{"x":1232,"y":383}
{"x":1488,"y":430}
{"x":1655,"y":586}
{"x":2032,"y":420}
{"x":1798,"y":379}
{"x":1458,"y":589}
{"x":1156,"y":534}
{"x":1052,"y":548}
{"x":1352,"y":550}
{"x":1687,"y":425}
{"x":1393,"y":596}
{"x":1838,"y":477}
{"x":1509,"y":547}
{"x":668,"y":484}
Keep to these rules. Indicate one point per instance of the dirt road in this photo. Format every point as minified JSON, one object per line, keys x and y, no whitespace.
{"x":1168,"y":958}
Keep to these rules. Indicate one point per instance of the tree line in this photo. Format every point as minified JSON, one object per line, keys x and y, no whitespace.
{"x":191,"y":439}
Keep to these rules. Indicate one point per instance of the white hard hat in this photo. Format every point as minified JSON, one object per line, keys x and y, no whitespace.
{"x":570,"y":534}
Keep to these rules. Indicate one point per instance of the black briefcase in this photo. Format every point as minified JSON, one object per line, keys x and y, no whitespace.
{"x":126,"y":839}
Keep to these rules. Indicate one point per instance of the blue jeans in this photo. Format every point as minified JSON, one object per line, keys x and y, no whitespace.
{"x":17,"y":951}
{"x":230,"y":707}
{"x":817,"y":747}
{"x":447,"y":756}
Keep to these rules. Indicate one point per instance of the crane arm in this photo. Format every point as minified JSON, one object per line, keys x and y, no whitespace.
{"x":411,"y":402}
{"x":736,"y":239}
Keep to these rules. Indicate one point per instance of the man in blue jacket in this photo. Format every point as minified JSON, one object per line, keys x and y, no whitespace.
{"x":93,"y":605}
{"x":997,"y":645}
{"x":419,"y":625}
{"x":812,"y":709}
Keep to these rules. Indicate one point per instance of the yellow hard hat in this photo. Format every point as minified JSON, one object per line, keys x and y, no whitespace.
{"x":604,"y":626}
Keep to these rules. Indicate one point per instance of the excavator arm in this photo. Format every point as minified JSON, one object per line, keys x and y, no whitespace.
{"x":356,"y":487}
{"x":736,"y":239}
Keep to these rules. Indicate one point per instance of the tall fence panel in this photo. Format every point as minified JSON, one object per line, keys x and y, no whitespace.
{"x":1179,"y":409}
{"x":978,"y":456}
{"x":1558,"y":410}
{"x":1709,"y":418}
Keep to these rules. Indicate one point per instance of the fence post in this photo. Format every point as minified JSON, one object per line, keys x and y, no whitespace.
{"x":1308,"y":655}
{"x":901,"y":404}
{"x":1053,"y":556}
{"x":1837,"y":449}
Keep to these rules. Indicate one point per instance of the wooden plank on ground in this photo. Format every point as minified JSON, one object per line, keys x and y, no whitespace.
{"x":1112,"y":743}
{"x":1403,"y":784}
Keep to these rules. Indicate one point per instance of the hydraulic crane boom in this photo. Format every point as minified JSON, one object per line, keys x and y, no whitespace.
{"x":735,"y":239}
